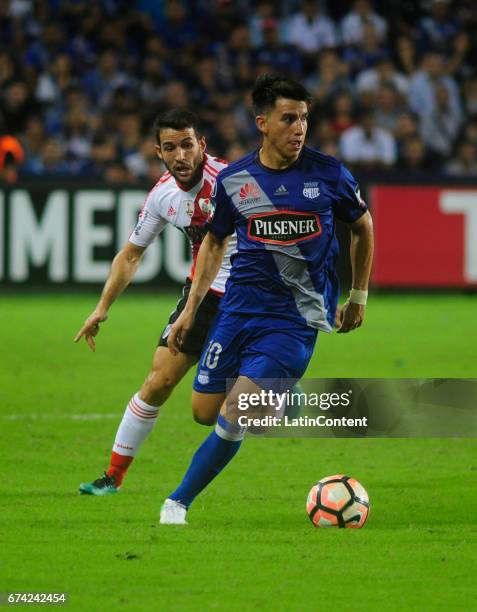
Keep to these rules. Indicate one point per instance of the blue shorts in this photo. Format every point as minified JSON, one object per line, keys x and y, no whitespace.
{"x":256,"y":347}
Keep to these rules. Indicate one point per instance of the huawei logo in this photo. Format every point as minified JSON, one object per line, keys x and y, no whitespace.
{"x":249,"y":191}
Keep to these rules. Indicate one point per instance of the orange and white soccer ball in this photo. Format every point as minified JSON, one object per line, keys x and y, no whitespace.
{"x":338,"y":501}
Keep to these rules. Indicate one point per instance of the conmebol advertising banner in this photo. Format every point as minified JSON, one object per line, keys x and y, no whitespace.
{"x":53,"y":236}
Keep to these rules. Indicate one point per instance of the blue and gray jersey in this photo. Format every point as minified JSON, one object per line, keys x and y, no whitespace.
{"x":286,"y":244}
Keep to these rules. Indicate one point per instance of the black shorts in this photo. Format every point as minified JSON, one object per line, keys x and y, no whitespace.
{"x":196,"y":338}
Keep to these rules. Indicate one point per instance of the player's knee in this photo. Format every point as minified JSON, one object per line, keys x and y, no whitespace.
{"x":157,"y":387}
{"x":205,"y":408}
{"x":203,"y":417}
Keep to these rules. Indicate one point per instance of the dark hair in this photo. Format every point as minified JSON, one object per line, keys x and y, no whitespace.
{"x":269,"y":87}
{"x":176,"y":119}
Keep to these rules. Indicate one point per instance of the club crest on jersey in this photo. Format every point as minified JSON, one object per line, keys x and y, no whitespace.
{"x":283,"y":227}
{"x":189,"y":206}
{"x":206,"y":206}
{"x":249,"y":193}
{"x":311,"y":190}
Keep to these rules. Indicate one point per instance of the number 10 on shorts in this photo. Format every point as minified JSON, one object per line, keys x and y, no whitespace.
{"x":211,"y":357}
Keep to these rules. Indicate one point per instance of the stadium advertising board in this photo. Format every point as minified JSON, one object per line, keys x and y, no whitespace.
{"x":426,"y":236}
{"x":63,"y":235}
{"x":54,"y":235}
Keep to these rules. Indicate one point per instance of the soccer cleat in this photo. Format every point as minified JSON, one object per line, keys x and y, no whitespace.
{"x":173,"y":513}
{"x":101,"y":486}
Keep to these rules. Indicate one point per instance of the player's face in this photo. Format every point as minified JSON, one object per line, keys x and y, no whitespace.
{"x":182,"y":153}
{"x":284,"y":127}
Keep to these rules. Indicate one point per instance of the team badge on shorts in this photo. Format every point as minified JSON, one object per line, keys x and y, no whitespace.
{"x":311,"y":190}
{"x":203,"y":377}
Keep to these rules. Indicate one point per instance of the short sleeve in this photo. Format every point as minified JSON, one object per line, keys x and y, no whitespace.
{"x":149,"y":224}
{"x":349,"y":205}
{"x":223,"y":220}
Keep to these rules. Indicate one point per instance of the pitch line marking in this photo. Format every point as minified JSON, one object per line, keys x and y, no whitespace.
{"x":91,"y":416}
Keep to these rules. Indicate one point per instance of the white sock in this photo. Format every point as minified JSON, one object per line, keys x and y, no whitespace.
{"x":137,"y":423}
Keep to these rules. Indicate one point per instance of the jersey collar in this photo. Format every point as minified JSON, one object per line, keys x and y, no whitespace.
{"x":273,"y":170}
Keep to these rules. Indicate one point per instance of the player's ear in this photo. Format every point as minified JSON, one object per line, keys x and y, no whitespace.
{"x":262,"y":123}
{"x":202,"y":144}
{"x":158,"y":151}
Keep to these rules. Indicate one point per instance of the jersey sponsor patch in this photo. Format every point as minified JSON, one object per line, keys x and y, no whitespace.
{"x":283,"y":227}
{"x":249,"y":193}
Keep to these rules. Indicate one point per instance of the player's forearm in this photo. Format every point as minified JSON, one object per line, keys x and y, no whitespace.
{"x":361,"y":251}
{"x":123,"y":269}
{"x":209,"y":259}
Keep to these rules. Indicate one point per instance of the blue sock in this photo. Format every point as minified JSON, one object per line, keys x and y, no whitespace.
{"x":209,"y":460}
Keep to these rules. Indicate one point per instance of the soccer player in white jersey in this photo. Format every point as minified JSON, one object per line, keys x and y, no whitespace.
{"x":181,"y":197}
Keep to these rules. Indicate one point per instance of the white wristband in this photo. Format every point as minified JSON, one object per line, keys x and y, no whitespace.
{"x":357,"y":296}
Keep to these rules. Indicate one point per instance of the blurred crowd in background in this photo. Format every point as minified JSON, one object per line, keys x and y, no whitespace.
{"x":394,"y":82}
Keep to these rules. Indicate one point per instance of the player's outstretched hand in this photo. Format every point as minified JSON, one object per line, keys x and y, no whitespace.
{"x":179,"y":331}
{"x":91,"y":328}
{"x":349,"y":317}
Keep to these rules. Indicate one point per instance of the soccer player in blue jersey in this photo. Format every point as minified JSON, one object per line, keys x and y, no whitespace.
{"x":283,"y":202}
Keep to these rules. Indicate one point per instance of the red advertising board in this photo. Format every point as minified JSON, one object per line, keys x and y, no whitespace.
{"x":425,"y":236}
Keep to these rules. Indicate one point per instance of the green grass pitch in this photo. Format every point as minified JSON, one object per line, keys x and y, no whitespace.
{"x":249,"y":544}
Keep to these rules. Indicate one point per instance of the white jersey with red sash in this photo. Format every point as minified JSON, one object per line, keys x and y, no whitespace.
{"x":188,"y":210}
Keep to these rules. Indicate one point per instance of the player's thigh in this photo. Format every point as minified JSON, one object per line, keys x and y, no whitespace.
{"x":205,"y":316}
{"x":206,"y":406}
{"x":270,"y":365}
{"x":278,"y":354}
{"x":166,"y":372}
{"x":220,"y":358}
